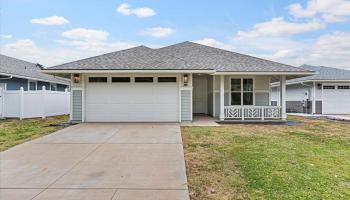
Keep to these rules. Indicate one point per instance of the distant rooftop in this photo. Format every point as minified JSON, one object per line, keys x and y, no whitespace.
{"x":21,"y":68}
{"x":323,"y":73}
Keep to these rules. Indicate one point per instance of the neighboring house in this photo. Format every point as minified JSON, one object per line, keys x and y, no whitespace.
{"x":21,"y":94}
{"x":15,"y":73}
{"x":172,"y":83}
{"x":327,"y":92}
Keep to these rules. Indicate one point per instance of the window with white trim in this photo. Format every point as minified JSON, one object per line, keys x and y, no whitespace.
{"x":242,"y":91}
{"x":32,"y":85}
{"x":328,"y":87}
{"x":97,"y":79}
{"x":343,"y":87}
{"x":121,"y":79}
{"x":143,"y":79}
{"x":53,"y":86}
{"x":166,"y":79}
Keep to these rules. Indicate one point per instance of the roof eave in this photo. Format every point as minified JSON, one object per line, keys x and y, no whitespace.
{"x":89,"y":71}
{"x":63,"y":82}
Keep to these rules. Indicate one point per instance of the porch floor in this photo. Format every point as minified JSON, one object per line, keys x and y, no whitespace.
{"x":201,"y":120}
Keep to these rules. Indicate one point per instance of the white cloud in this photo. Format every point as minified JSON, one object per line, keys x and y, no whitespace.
{"x":54,"y":20}
{"x":91,"y":40}
{"x":125,"y":9}
{"x":215,"y":43}
{"x":28,"y":50}
{"x":5,"y":36}
{"x":86,"y":34}
{"x":330,"y":10}
{"x":159,"y":32}
{"x":328,"y":50}
{"x":279,"y":27}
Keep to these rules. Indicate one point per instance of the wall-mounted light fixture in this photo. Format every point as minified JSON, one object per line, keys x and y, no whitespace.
{"x":76,"y":78}
{"x":185,"y":79}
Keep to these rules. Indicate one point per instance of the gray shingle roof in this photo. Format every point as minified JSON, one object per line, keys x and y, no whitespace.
{"x":223,"y":60}
{"x":186,"y":55}
{"x":323,"y":73}
{"x":16,"y":67}
{"x":136,"y":58}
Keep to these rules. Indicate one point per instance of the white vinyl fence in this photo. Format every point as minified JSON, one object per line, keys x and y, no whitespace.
{"x":30,"y":104}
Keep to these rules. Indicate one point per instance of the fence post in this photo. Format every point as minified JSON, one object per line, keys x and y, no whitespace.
{"x":262,"y":113}
{"x":43,"y":94}
{"x":242,"y":113}
{"x":21,"y":103}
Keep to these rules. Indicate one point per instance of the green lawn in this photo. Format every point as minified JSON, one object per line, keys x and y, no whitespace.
{"x":14,"y":131}
{"x":310,"y":161}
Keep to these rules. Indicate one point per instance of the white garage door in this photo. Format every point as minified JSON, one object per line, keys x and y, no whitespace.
{"x":336,"y":99}
{"x":132,"y":102}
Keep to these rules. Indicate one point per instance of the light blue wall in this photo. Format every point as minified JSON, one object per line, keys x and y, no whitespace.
{"x":15,"y":83}
{"x":40,"y":85}
{"x":61,"y":87}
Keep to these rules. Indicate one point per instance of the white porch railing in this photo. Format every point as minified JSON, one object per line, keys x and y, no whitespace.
{"x":253,"y":112}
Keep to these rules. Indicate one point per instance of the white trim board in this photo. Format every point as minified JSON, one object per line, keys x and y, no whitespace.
{"x":37,"y":79}
{"x":212,"y":72}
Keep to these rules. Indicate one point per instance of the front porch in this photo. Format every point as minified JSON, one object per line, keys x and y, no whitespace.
{"x":238,"y":98}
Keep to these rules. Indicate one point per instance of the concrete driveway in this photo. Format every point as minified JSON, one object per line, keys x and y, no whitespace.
{"x":118,"y":161}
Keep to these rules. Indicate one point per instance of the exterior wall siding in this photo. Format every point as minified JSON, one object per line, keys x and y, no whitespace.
{"x":261,"y":99}
{"x":40,"y":85}
{"x":61,"y":87}
{"x":318,"y":107}
{"x":186,"y":103}
{"x":299,"y":107}
{"x":77,"y":105}
{"x":15,"y":83}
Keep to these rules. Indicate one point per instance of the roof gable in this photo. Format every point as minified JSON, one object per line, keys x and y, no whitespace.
{"x":223,"y":60}
{"x":182,"y":56}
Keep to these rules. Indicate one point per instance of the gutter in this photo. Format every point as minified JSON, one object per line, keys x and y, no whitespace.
{"x":10,"y":77}
{"x":37,"y":79}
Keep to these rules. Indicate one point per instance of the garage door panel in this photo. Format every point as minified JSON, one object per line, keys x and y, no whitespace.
{"x":133,"y":102}
{"x":336,"y":101}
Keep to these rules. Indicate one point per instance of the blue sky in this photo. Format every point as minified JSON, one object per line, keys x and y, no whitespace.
{"x":291,"y":31}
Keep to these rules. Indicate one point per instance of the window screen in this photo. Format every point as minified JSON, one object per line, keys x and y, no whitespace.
{"x":53,"y":87}
{"x":343,"y":87}
{"x":121,"y":79}
{"x":98,"y":79}
{"x":329,"y":87}
{"x":144,"y":79}
{"x":32,"y":85}
{"x":167,"y":79}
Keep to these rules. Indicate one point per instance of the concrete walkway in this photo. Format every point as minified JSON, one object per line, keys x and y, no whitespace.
{"x":333,"y":117}
{"x":98,"y":161}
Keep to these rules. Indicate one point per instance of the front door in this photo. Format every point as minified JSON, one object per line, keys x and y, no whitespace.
{"x":200,"y":94}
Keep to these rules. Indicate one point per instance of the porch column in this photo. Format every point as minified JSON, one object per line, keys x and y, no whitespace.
{"x":283,"y":97}
{"x":222,"y":96}
{"x":314,"y":98}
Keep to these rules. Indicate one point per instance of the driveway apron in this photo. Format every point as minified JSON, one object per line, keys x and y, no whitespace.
{"x":114,"y":161}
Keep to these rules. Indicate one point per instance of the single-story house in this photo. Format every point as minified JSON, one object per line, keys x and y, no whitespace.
{"x":173,"y":83}
{"x":26,"y":92}
{"x":327,"y":92}
{"x":15,"y":73}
